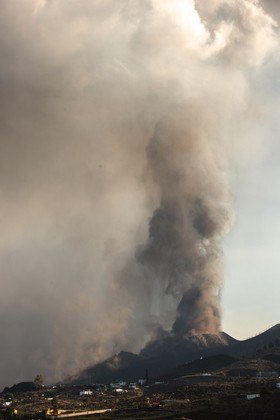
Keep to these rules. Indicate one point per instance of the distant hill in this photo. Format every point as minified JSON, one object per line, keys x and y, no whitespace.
{"x":266,"y":340}
{"x":20,"y":387}
{"x":203,"y":365}
{"x":164,"y":355}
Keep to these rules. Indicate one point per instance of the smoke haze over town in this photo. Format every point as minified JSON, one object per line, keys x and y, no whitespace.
{"x":122,"y":125}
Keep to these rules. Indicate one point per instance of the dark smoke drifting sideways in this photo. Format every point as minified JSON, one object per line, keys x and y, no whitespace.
{"x":119,"y":121}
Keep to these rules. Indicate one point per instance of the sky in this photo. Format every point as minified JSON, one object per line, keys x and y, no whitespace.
{"x":139,"y":167}
{"x":251,"y":291}
{"x":252,"y":286}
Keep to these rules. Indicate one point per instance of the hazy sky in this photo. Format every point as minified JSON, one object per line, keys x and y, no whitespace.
{"x":252,"y":284}
{"x":119,"y":113}
{"x":251,"y":292}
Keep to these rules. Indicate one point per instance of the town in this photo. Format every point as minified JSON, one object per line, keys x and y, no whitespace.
{"x":198,"y":396}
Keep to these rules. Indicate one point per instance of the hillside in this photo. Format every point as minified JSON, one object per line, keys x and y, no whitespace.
{"x":266,"y":340}
{"x":166,"y":354}
{"x":200,"y":366}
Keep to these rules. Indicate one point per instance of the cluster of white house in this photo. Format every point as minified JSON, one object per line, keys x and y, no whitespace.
{"x":85,"y":392}
{"x":132,"y":385}
{"x":119,"y":386}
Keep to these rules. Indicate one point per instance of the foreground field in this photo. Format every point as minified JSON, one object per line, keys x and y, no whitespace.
{"x":190,"y":397}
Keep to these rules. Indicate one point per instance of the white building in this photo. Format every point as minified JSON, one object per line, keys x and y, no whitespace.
{"x":253,"y":396}
{"x":85,"y":392}
{"x":267,"y":375}
{"x":118,"y":384}
{"x":142,"y":382}
{"x":7,"y":403}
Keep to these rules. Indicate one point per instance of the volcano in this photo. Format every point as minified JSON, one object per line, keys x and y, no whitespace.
{"x":166,"y":353}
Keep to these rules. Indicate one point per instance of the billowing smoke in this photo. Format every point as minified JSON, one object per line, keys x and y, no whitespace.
{"x":183,"y":250}
{"x":119,"y":119}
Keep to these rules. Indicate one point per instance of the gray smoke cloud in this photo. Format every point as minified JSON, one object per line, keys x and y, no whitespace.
{"x":118,"y":120}
{"x":183,"y":251}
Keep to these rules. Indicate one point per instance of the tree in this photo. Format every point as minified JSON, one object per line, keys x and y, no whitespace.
{"x":55,"y":402}
{"x":10,"y":413}
{"x":264,"y":391}
{"x":39,"y":381}
{"x":55,"y":405}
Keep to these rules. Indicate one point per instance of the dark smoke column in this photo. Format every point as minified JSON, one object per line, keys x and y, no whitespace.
{"x":183,"y":251}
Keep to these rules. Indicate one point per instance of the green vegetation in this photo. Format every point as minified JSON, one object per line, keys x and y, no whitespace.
{"x":39,"y":381}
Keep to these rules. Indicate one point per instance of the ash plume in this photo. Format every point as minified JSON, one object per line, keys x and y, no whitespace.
{"x":183,"y":251}
{"x":119,"y":122}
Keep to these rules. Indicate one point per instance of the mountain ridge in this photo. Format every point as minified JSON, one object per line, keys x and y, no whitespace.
{"x":168,"y":352}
